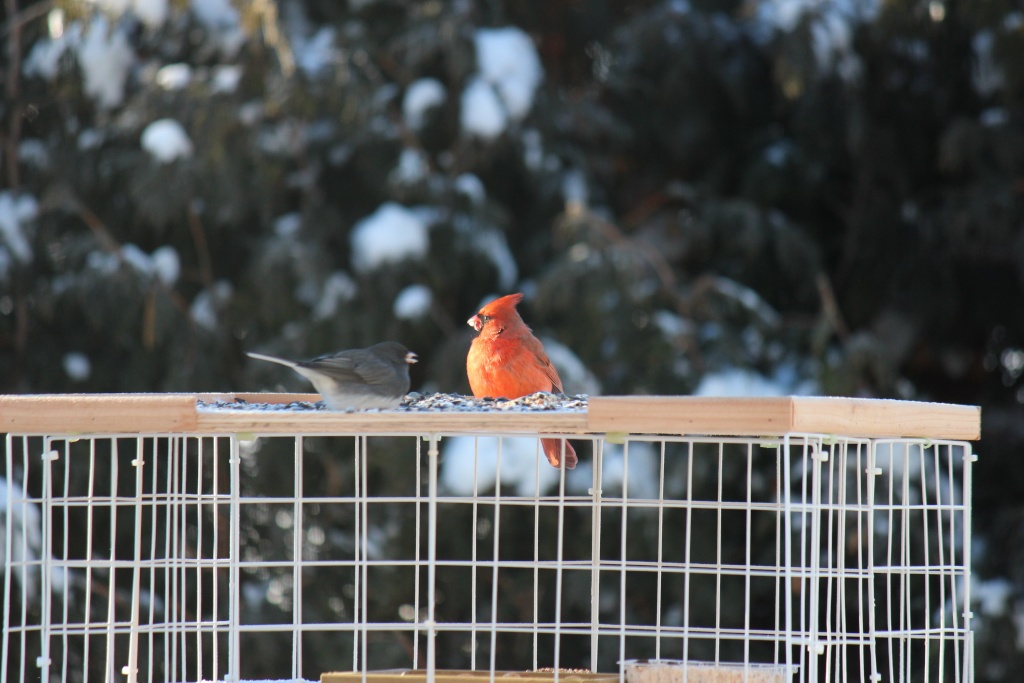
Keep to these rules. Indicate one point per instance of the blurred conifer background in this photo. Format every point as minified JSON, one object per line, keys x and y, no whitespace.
{"x":712,"y":196}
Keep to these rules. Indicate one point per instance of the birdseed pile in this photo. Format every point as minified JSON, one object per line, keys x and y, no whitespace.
{"x":419,"y":403}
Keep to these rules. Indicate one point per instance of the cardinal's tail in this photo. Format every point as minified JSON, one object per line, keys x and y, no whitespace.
{"x":553,"y":449}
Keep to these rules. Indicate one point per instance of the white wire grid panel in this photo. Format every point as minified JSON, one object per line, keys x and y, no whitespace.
{"x":195,"y":558}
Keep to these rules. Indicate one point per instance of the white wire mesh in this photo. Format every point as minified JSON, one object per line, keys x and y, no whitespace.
{"x":189,"y":558}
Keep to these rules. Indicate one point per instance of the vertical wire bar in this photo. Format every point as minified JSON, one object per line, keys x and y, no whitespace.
{"x":156,"y":504}
{"x":192,"y":506}
{"x":864,"y":537}
{"x":967,"y":459}
{"x":661,"y":554}
{"x":297,"y":470}
{"x":181,"y":556}
{"x":432,"y":460}
{"x":624,"y":525}
{"x":168,"y":565}
{"x":595,"y":553}
{"x":841,"y":635}
{"x":177,"y":553}
{"x":175,"y":478}
{"x":834,"y":573}
{"x":686,"y":557}
{"x":362,"y":502}
{"x":787,"y":504}
{"x":536,"y":563}
{"x":718,"y":553}
{"x":808,"y":577}
{"x":170,"y":647}
{"x":780,"y":527}
{"x":495,"y":561}
{"x":90,"y":497}
{"x":8,"y":534}
{"x":111,"y":585}
{"x":814,"y":557}
{"x":44,"y":560}
{"x":215,"y":500}
{"x":891,"y":606}
{"x":896,"y":594}
{"x":748,"y":556}
{"x":831,"y":578}
{"x":967,"y":673}
{"x":199,"y":560}
{"x":906,"y":623}
{"x":871,"y":472}
{"x":559,"y":568}
{"x":966,"y":636}
{"x":473,"y":635}
{"x":418,"y":560}
{"x":132,"y":668}
{"x":926,"y":566}
{"x":234,"y":672}
{"x":940,"y":542}
{"x":65,"y":578}
{"x":25,"y":502}
{"x":358,"y":633}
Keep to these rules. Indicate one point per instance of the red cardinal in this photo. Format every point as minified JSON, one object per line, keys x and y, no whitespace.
{"x":506,"y":360}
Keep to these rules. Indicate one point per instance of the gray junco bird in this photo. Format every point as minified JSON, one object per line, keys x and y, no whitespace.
{"x":375,"y":377}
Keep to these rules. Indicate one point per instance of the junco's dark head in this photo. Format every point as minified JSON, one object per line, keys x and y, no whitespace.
{"x":375,"y":377}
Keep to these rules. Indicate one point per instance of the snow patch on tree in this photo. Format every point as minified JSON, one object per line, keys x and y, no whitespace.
{"x":482,"y":114}
{"x":469,"y":185}
{"x":26,"y":541}
{"x":412,"y":167}
{"x":520,"y":470}
{"x":106,"y":59}
{"x":43,"y":59}
{"x":163,"y":264}
{"x":206,"y":306}
{"x":316,"y":54}
{"x":77,"y":366}
{"x":420,"y":97}
{"x":288,"y":225}
{"x":413,"y":302}
{"x":16,"y":211}
{"x":221,"y":20}
{"x":490,"y":243}
{"x":503,"y":90}
{"x":152,"y":13}
{"x":576,"y":378}
{"x":226,"y":78}
{"x":166,"y":266}
{"x":391,"y":234}
{"x":987,"y":74}
{"x":175,"y":76}
{"x":508,"y":60}
{"x":831,"y":26}
{"x":745,"y":382}
{"x":636,"y":468}
{"x":166,"y":141}
{"x":339,"y":287}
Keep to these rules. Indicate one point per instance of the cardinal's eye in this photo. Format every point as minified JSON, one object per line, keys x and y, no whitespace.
{"x":486,"y":319}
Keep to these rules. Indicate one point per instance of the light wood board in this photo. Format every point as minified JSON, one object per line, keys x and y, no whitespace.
{"x":771,"y":416}
{"x":676,"y":415}
{"x":455,"y":676}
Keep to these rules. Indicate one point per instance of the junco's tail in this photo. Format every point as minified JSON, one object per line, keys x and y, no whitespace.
{"x":272,"y":359}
